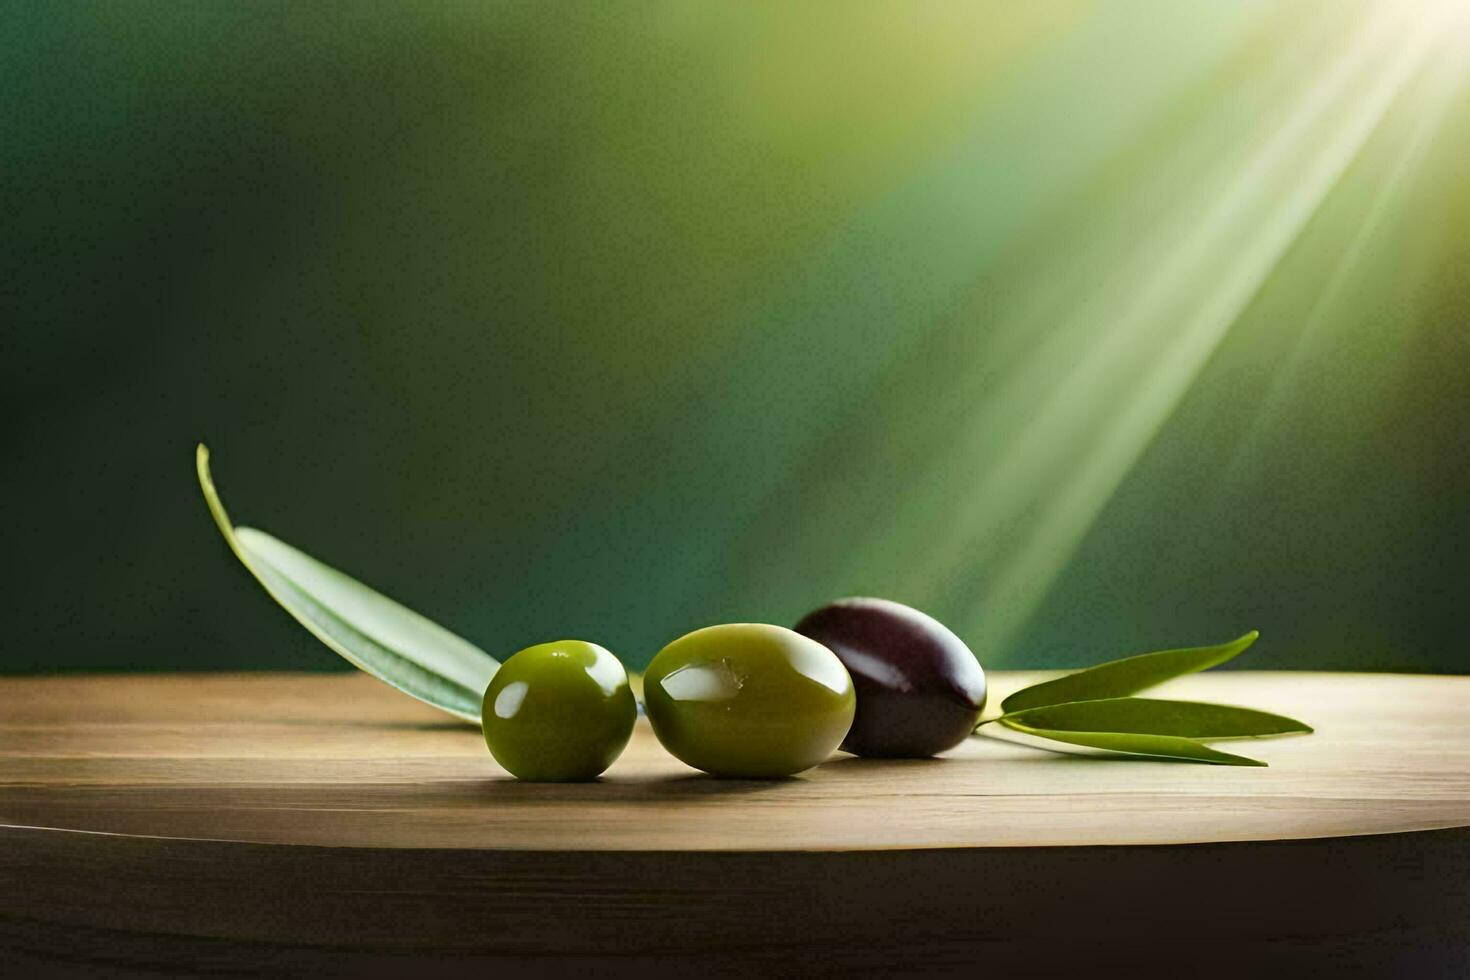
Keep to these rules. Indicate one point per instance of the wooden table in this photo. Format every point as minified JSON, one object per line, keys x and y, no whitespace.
{"x":325,"y":823}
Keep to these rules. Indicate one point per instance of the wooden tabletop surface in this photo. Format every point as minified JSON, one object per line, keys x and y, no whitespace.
{"x":343,"y":760}
{"x":327,"y":825}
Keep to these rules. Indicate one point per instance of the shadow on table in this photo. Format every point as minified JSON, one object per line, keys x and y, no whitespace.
{"x":693,"y":786}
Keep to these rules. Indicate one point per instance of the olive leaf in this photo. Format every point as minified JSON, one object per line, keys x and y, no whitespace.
{"x":371,"y":631}
{"x":1093,"y":708}
{"x":1120,"y":678}
{"x":1131,"y":743}
{"x":1153,"y":716}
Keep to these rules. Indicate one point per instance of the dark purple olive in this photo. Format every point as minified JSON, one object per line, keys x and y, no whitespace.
{"x":919,"y":688}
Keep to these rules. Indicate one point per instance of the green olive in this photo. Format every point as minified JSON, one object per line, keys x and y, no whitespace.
{"x":558,"y":712}
{"x":748,"y":700}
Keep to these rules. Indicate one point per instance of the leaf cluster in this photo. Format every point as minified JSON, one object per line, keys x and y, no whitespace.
{"x":1096,"y":708}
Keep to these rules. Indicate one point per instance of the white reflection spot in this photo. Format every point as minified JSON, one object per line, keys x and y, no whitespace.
{"x":879,"y":670}
{"x":607,"y":672}
{"x":703,"y":682}
{"x":815,"y":662}
{"x":508,"y":701}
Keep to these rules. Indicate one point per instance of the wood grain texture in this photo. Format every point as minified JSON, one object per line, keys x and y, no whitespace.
{"x":342,"y":760}
{"x":291,"y":822}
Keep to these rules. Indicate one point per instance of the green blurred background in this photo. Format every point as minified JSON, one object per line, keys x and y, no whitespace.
{"x":1088,"y":327}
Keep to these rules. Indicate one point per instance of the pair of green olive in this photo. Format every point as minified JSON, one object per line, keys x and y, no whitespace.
{"x":742,"y":700}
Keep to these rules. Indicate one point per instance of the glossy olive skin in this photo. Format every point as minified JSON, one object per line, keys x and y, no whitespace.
{"x":919,"y":688}
{"x":748,"y":700}
{"x":558,"y":712}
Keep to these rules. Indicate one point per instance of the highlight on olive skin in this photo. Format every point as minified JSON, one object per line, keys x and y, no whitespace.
{"x":920,"y":690}
{"x":559,"y":712}
{"x":748,"y":700}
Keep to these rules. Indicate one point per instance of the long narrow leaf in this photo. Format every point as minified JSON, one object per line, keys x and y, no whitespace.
{"x":1151,"y":746}
{"x":371,"y":631}
{"x":1153,"y":716}
{"x":1120,"y":678}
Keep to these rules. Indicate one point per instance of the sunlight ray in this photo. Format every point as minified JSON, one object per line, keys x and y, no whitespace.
{"x":1446,"y":83}
{"x":1023,"y":578}
{"x":1056,"y":460}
